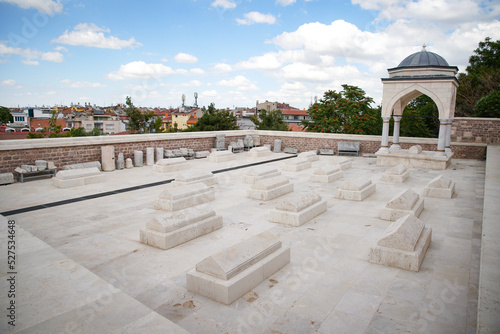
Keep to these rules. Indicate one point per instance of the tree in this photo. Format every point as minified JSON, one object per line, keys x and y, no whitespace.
{"x":270,"y":120}
{"x":5,"y":116}
{"x":156,"y":125}
{"x":482,"y":77}
{"x":215,"y":120}
{"x":138,"y":121}
{"x":489,"y":105}
{"x":348,"y":111}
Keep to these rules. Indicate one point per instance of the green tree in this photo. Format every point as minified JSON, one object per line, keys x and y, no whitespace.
{"x":5,"y":116}
{"x":138,"y":121}
{"x":482,"y":77}
{"x":156,"y":125}
{"x":270,"y":120}
{"x":54,"y":129}
{"x":215,"y":120}
{"x":489,"y":105}
{"x":347,"y":111}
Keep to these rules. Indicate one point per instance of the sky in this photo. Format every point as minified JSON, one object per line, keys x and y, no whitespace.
{"x":230,"y":52}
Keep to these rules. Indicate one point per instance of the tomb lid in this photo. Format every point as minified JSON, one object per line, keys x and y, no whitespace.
{"x":326,"y":170}
{"x":261,"y":171}
{"x":235,"y":259}
{"x":171,"y":161}
{"x":403,"y":201}
{"x":169,"y":222}
{"x":173,"y":193}
{"x":403,"y":234}
{"x":299,"y":202}
{"x":439,"y":182}
{"x":270,"y":183}
{"x":397,"y":170}
{"x":356,"y":184}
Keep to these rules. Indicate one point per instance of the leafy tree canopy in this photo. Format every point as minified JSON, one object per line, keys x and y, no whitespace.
{"x":347,"y":111}
{"x":270,"y":120}
{"x":215,"y":120}
{"x":5,"y":116}
{"x":138,"y":120}
{"x":489,"y":105}
{"x":482,"y":78}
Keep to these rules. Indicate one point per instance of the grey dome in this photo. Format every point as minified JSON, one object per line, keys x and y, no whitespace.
{"x":424,"y":59}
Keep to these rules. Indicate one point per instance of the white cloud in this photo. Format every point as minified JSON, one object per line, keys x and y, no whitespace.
{"x":268,"y":61}
{"x":90,"y":35}
{"x":256,"y":17}
{"x":197,"y":71}
{"x":222,"y":67}
{"x":226,"y":4}
{"x":240,"y":82}
{"x":285,"y":2}
{"x":140,"y":70}
{"x":208,"y":94}
{"x":45,"y":6}
{"x":8,"y":82}
{"x":61,"y":48}
{"x":31,"y":55}
{"x":30,"y":62}
{"x":164,"y":60}
{"x":185,"y":58}
{"x":82,"y":84}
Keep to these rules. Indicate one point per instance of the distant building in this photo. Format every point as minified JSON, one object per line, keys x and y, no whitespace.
{"x":291,"y":115}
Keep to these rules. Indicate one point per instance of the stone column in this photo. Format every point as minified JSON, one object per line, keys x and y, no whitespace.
{"x":159,"y":153}
{"x":138,"y":159}
{"x":384,"y":146}
{"x":150,"y":156}
{"x":447,"y":142}
{"x":395,"y":135}
{"x":108,"y":158}
{"x":443,"y":123}
{"x":120,"y":162}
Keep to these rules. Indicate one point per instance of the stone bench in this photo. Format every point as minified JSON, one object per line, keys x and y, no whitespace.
{"x":309,"y":155}
{"x":258,"y":174}
{"x":403,"y":204}
{"x":221,"y":156}
{"x":229,"y":274}
{"x":348,"y":147}
{"x":296,"y":165}
{"x":356,"y":189}
{"x":170,"y":165}
{"x":326,"y":174}
{"x":185,"y":179}
{"x":299,"y":209}
{"x":260,"y":152}
{"x":77,"y":177}
{"x":403,"y":245}
{"x":270,"y":188}
{"x":183,"y":197}
{"x":172,"y":229}
{"x":396,"y":174}
{"x":440,"y":187}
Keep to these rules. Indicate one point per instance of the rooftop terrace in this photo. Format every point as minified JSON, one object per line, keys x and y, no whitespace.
{"x":81,"y":267}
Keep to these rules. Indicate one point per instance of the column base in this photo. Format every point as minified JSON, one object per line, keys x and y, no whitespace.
{"x":395,"y":147}
{"x":383,"y":149}
{"x":448,"y":150}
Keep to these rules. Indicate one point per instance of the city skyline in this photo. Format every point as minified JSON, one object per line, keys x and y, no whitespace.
{"x":231,"y":52}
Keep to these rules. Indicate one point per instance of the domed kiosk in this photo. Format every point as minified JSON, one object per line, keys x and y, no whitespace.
{"x":420,"y":73}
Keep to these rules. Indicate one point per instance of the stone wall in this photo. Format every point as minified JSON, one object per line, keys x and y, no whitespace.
{"x":477,"y":130}
{"x":64,"y":151}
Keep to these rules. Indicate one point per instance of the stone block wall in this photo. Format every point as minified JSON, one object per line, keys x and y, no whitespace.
{"x":477,"y":130}
{"x":64,"y":151}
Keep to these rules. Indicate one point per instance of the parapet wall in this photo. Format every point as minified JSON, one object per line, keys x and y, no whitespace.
{"x":64,"y":151}
{"x":476,"y":130}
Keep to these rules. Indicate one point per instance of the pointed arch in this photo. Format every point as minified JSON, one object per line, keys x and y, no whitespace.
{"x":406,"y":95}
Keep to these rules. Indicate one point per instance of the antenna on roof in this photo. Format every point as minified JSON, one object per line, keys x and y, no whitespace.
{"x":196,"y":99}
{"x":183,"y":99}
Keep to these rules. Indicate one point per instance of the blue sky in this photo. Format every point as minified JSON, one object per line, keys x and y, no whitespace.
{"x":231,"y":52}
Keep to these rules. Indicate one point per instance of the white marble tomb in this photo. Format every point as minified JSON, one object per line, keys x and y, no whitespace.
{"x":299,"y":209}
{"x":405,"y":203}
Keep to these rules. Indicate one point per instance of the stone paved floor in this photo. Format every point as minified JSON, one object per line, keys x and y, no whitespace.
{"x":82,"y":267}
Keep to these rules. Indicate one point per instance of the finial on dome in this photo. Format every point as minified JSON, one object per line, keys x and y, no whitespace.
{"x":423,"y":47}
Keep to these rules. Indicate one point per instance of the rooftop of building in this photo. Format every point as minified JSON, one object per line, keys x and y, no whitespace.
{"x":80,"y":264}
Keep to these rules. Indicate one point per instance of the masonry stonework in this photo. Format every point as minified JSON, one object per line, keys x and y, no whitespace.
{"x":64,"y":151}
{"x":476,"y":130}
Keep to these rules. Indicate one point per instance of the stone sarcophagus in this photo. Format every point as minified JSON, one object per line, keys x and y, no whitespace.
{"x":270,"y":188}
{"x":183,"y":197}
{"x":172,"y":229}
{"x":299,"y":209}
{"x":396,"y":174}
{"x":327,"y":174}
{"x":296,"y":165}
{"x":356,"y":189}
{"x":256,"y":174}
{"x":403,"y":204}
{"x":403,"y":245}
{"x":229,"y":274}
{"x":440,"y":187}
